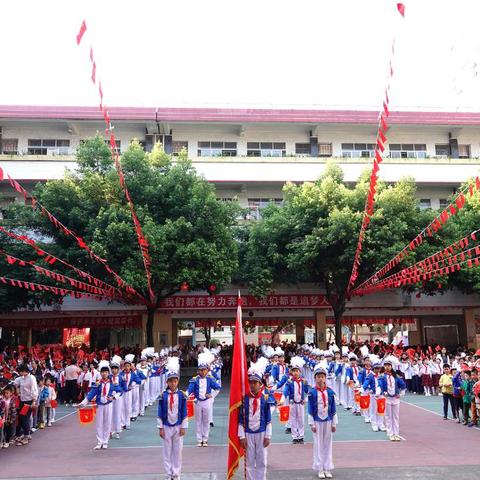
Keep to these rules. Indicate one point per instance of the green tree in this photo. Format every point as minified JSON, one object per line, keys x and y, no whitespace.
{"x":313,"y":236}
{"x":189,"y":231}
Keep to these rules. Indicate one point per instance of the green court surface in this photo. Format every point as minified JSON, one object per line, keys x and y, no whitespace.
{"x":144,"y":433}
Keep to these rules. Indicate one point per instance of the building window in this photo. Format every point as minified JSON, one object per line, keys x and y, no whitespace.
{"x":463,"y":151}
{"x":358,"y":150}
{"x":9,"y":146}
{"x":443,"y":203}
{"x":442,"y":150}
{"x":117,"y":145}
{"x":303,"y":149}
{"x":266,"y":149}
{"x":408,"y":150}
{"x":324,"y":149}
{"x":256,"y":205}
{"x":217,"y":149}
{"x":425,"y":203}
{"x":48,"y":147}
{"x":178,"y":146}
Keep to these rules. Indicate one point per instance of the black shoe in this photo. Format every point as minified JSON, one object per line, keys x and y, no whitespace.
{"x":300,"y":440}
{"x":211,"y":425}
{"x":295,"y":441}
{"x":288,"y":430}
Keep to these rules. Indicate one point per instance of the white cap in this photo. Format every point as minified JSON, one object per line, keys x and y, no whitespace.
{"x":129,"y":358}
{"x":297,"y":362}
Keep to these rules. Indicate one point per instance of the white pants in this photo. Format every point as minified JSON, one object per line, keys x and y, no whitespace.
{"x":103,"y":421}
{"x":117,"y":415}
{"x":322,"y":447}
{"x":375,"y":419}
{"x":256,"y":456}
{"x":202,"y":420}
{"x":135,"y":401}
{"x":214,"y":395}
{"x":141,"y":393}
{"x":336,"y":389}
{"x":392,"y":416}
{"x":127,"y":408}
{"x":297,"y":420}
{"x":172,"y":451}
{"x":343,"y":393}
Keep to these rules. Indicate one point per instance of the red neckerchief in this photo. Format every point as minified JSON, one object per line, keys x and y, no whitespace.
{"x":324,"y":395}
{"x":390,"y":379}
{"x":255,"y":400}
{"x":104,"y":389}
{"x":171,"y":400}
{"x":355,"y":370}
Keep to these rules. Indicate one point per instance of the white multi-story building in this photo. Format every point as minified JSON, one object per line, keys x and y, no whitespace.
{"x":249,"y":154}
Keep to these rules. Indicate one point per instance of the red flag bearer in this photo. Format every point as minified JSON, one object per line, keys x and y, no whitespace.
{"x":255,"y":424}
{"x":238,"y":389}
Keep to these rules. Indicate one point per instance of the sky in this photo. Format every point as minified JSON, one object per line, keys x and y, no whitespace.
{"x":255,"y":53}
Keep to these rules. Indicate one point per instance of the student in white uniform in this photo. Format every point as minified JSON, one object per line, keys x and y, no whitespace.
{"x":322,"y":418}
{"x":117,"y":407}
{"x":201,"y":387}
{"x":294,"y":394}
{"x":254,"y":426}
{"x":371,"y":386}
{"x":172,"y":421}
{"x":392,"y":387}
{"x":104,"y":393}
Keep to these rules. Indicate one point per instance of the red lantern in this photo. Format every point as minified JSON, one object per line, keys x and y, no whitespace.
{"x":284,"y":411}
{"x":212,"y":288}
{"x":185,"y":287}
{"x":190,"y":408}
{"x":381,"y":403}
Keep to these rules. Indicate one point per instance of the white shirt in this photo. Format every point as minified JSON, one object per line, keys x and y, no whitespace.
{"x":322,"y":410}
{"x":28,"y":387}
{"x":202,"y":388}
{"x":297,"y":391}
{"x":172,"y":414}
{"x":254,"y":420}
{"x":390,"y":384}
{"x":72,"y":372}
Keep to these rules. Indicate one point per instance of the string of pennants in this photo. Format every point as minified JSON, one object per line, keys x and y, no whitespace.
{"x":35,"y":204}
{"x":14,"y":261}
{"x":380,"y":143}
{"x":142,"y":241}
{"x":429,"y":231}
{"x":52,"y":259}
{"x":46,"y":288}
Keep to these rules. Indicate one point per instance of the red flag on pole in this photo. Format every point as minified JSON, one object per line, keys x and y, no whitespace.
{"x":238,"y":388}
{"x":83,"y":28}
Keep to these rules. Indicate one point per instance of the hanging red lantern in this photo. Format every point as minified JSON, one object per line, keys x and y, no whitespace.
{"x":212,"y":288}
{"x":185,"y":287}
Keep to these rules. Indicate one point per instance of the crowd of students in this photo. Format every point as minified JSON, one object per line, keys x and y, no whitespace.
{"x":124,"y":382}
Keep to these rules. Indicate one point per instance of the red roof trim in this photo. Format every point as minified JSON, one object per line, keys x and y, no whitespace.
{"x":237,"y":115}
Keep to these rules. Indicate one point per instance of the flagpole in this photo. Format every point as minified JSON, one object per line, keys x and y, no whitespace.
{"x":239,"y":315}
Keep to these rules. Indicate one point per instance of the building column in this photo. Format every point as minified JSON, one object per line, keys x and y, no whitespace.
{"x":162,"y":331}
{"x":29,"y":337}
{"x":321,"y":328}
{"x":300,"y":332}
{"x":471,"y":327}
{"x":415,"y":336}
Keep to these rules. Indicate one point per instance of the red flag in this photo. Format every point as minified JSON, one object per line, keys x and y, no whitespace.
{"x":83,"y":29}
{"x":238,"y":389}
{"x":401,"y":9}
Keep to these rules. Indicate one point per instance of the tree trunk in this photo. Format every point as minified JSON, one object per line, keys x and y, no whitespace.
{"x":338,"y":328}
{"x":149,"y":326}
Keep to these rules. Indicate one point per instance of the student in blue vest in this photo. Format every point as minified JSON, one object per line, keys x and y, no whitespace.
{"x":129,"y":379}
{"x":352,"y":375}
{"x":279,"y":369}
{"x":364,"y":373}
{"x":117,"y":408}
{"x":322,"y":418}
{"x":294,"y":393}
{"x":172,"y":420}
{"x":254,"y":424}
{"x":371,"y":386}
{"x":104,"y":393}
{"x":201,"y":387}
{"x":392,"y":387}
